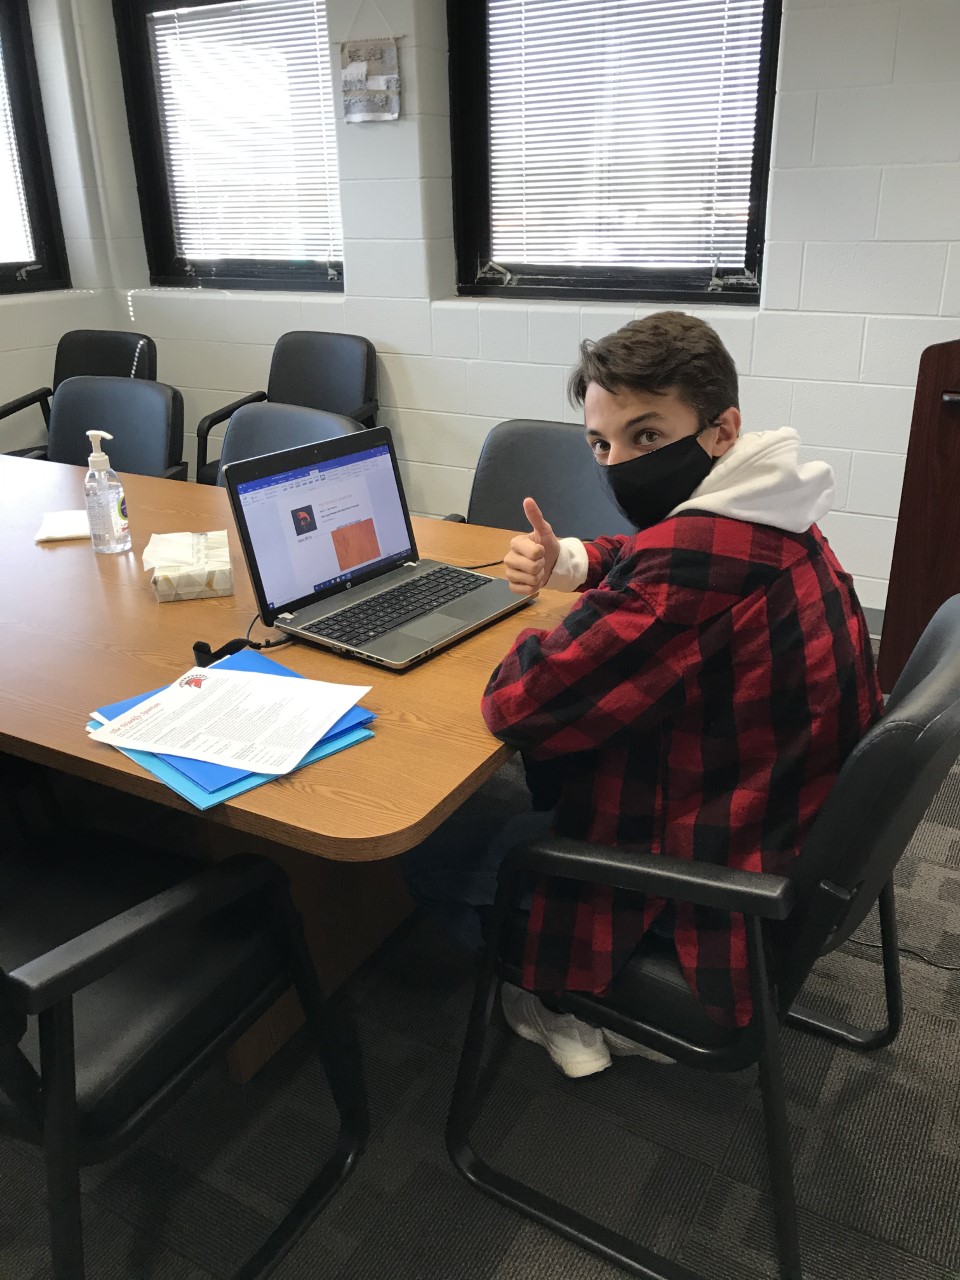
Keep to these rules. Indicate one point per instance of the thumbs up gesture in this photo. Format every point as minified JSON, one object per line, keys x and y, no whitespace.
{"x":532,"y":556}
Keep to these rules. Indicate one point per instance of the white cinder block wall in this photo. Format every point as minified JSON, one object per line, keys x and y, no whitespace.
{"x":862,"y":269}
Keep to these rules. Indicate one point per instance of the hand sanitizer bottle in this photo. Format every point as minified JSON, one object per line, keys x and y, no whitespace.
{"x":106,"y":505}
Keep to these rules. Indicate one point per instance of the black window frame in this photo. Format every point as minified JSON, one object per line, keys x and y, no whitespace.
{"x":49,"y":269}
{"x":143,"y":118}
{"x":470,"y":145}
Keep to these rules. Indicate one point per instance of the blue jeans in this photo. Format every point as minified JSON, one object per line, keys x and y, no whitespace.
{"x":453,"y":873}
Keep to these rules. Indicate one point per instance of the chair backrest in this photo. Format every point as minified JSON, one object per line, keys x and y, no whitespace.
{"x":256,"y":429}
{"x":336,"y":372}
{"x":144,"y":418}
{"x":105,"y":353}
{"x":888,"y":780}
{"x":550,"y":462}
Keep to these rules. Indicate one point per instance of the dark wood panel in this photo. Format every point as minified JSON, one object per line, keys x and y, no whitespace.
{"x":926,"y":554}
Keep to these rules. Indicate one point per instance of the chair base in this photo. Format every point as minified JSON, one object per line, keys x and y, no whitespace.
{"x":607,"y":1244}
{"x":866,"y":1039}
{"x":316,"y":1197}
{"x":588,"y":1234}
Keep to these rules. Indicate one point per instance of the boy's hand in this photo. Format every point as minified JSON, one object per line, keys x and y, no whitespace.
{"x":532,"y":556}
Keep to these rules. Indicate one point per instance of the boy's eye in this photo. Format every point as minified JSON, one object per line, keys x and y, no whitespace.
{"x":599,"y":447}
{"x":649,"y":439}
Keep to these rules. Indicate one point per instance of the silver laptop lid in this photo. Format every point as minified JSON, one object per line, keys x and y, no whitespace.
{"x":319,"y":519}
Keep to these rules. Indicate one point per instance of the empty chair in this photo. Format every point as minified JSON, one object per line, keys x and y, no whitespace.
{"x":91,"y":352}
{"x":144,"y":418}
{"x":335,"y":372}
{"x":845,"y":866}
{"x":550,"y":462}
{"x":256,"y":429}
{"x":124,"y":973}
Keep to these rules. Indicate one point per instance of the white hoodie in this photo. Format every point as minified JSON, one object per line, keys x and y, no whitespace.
{"x":760,"y":479}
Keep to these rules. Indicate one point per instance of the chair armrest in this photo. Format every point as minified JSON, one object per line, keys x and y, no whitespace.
{"x":205,"y":425}
{"x":456,"y":519}
{"x":705,"y":884}
{"x":60,"y":973}
{"x":24,"y":402}
{"x":365,"y":410}
{"x":177,"y":472}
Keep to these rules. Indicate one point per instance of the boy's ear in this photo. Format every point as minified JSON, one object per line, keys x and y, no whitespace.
{"x":728,"y":423}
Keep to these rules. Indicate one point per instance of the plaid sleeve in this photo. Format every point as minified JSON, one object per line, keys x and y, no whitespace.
{"x":602,"y":554}
{"x":614,"y":664}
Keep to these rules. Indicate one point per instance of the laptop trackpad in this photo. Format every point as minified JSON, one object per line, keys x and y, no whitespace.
{"x":433,"y":627}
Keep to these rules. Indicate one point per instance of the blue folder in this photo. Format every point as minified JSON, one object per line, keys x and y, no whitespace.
{"x":206,"y":785}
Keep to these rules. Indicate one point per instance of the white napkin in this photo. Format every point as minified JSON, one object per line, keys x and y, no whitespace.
{"x":57,"y":526}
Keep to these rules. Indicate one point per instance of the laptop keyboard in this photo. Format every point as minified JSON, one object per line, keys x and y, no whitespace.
{"x":359,"y":623}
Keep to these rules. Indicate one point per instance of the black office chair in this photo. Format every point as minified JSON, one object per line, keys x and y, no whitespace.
{"x":256,"y":429}
{"x":845,"y":866}
{"x":335,"y":372}
{"x":124,"y":973}
{"x":144,"y":418}
{"x":548,"y":461}
{"x":91,"y":352}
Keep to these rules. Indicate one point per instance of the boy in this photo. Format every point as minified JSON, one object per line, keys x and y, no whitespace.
{"x":703,"y":692}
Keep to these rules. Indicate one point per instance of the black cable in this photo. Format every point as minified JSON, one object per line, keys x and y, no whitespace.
{"x":909,"y":951}
{"x":489,"y":565}
{"x":264,"y":644}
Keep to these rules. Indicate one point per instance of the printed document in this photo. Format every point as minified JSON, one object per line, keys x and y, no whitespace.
{"x":263,"y":723}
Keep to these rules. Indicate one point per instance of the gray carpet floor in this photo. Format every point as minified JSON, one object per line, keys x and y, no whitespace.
{"x":670,"y":1154}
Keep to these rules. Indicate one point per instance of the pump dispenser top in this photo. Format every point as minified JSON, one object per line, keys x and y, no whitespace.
{"x":98,"y":460}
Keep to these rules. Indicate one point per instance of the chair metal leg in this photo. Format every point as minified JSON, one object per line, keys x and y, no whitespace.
{"x":847,"y":1033}
{"x":339,"y":1051}
{"x":550,"y":1213}
{"x":776,"y":1128}
{"x":58,"y":1082}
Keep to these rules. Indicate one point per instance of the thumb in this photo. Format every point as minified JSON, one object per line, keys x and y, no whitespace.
{"x":533,"y":513}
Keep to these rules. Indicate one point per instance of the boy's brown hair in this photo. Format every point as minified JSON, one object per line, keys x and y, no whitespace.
{"x":668,"y":351}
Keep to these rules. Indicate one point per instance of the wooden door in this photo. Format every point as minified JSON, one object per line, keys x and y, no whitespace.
{"x":926,"y":553}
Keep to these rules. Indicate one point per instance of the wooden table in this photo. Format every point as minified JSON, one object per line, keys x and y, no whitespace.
{"x":82,"y":630}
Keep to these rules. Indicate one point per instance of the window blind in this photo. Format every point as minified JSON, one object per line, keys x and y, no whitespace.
{"x":247,"y":123}
{"x":622,"y":131}
{"x":16,"y":238}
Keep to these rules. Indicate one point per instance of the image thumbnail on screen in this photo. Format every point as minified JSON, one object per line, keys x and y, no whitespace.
{"x":356,"y":544}
{"x":304,"y":521}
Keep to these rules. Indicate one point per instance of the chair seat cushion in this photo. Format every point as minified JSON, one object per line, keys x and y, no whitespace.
{"x":651,"y":987}
{"x":139,"y":1025}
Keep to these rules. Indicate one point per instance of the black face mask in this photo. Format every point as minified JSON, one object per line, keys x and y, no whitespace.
{"x":645,"y":488}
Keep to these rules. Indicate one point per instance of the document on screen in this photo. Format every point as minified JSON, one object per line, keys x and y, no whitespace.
{"x":263,"y":723}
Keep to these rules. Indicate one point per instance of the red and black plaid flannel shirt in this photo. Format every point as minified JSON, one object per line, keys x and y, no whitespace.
{"x":705,"y":690}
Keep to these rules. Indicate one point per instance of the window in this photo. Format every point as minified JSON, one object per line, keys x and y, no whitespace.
{"x":32,"y":254}
{"x":616,"y":148}
{"x":230,"y":105}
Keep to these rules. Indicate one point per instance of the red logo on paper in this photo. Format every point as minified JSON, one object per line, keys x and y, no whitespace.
{"x":192,"y":682}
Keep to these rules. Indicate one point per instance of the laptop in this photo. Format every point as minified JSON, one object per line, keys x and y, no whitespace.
{"x":327,"y":538}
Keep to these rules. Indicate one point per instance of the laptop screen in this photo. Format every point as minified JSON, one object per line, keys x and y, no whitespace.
{"x":321,"y":525}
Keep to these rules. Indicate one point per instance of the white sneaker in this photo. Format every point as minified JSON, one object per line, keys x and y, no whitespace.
{"x":577,"y":1048}
{"x":621,"y":1047}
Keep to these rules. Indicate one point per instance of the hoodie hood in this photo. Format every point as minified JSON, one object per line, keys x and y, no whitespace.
{"x":761,"y":479}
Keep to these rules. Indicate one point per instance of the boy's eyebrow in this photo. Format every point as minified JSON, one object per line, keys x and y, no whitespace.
{"x":634,"y":422}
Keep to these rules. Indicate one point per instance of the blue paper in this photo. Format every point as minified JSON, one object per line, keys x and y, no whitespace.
{"x":213,"y":777}
{"x":205,"y":784}
{"x":203,"y":799}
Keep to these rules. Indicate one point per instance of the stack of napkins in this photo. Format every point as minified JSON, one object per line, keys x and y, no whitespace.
{"x":206,"y":784}
{"x":189,"y":566}
{"x":59,"y":526}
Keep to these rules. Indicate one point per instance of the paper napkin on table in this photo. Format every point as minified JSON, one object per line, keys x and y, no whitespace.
{"x":57,"y":526}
